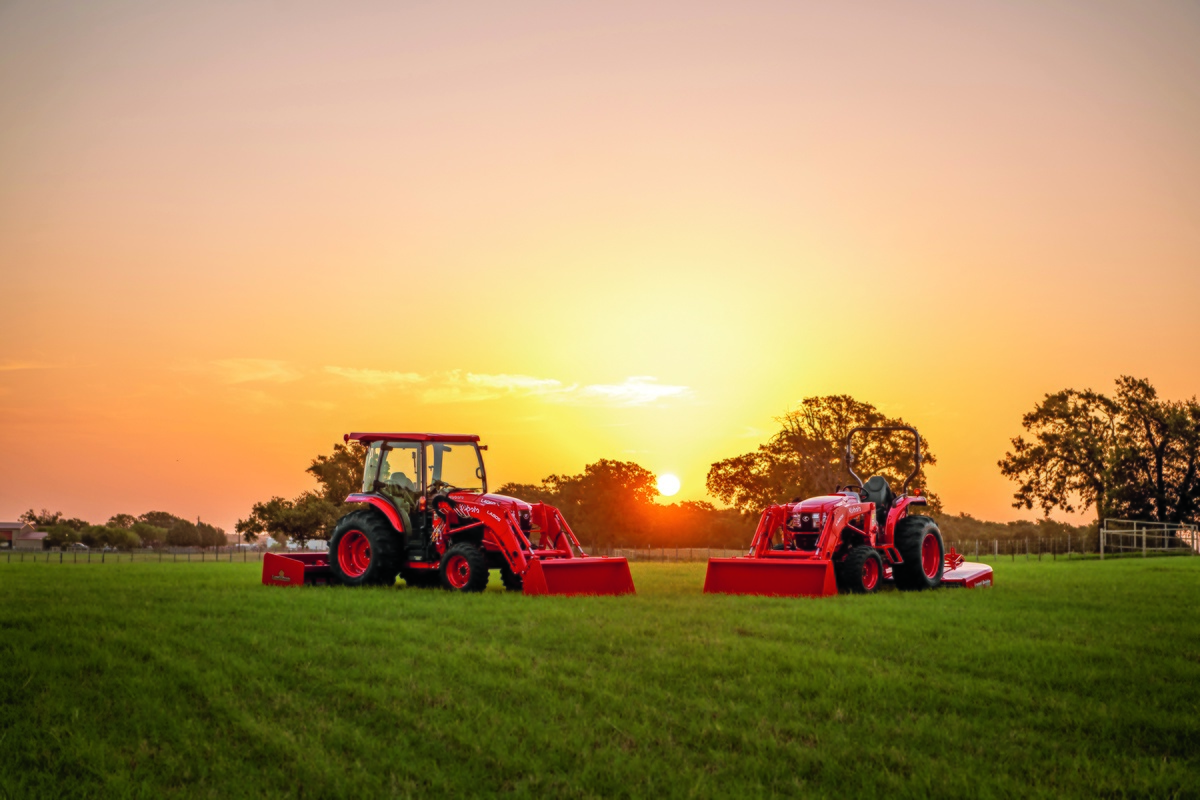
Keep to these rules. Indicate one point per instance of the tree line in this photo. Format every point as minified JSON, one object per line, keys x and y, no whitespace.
{"x":1132,"y":454}
{"x":125,"y":531}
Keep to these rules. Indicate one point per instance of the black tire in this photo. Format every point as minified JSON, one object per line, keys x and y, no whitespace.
{"x":464,"y":568}
{"x":511,"y":580}
{"x":378,"y":563}
{"x":421,"y":578}
{"x":861,"y":572}
{"x":911,"y":536}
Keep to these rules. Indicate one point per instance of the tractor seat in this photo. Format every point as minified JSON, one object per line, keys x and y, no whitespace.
{"x":879,"y":493}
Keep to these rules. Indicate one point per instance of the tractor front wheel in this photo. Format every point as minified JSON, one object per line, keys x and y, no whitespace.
{"x":363,"y":550}
{"x":920,"y":544}
{"x":464,"y":569}
{"x":862,"y":571}
{"x":511,"y":580}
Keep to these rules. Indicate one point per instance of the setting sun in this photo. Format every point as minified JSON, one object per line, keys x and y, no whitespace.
{"x":668,"y":484}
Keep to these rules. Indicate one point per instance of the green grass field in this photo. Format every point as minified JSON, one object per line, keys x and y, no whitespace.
{"x":154,"y":680}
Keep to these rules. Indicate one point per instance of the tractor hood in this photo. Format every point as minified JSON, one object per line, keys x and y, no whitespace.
{"x":490,"y":499}
{"x":822,"y":504}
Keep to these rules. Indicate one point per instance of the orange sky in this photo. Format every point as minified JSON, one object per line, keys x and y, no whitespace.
{"x":231,"y":232}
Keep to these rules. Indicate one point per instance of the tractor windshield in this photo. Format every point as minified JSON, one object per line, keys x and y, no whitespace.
{"x":455,"y":466}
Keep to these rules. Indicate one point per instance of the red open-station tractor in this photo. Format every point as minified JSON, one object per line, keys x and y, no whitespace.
{"x":850,"y":541}
{"x":428,"y":517}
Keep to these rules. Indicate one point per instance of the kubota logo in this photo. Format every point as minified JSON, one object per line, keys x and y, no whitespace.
{"x":281,"y":577}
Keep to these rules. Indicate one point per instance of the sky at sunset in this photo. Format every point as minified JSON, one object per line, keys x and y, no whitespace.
{"x":231,"y":232}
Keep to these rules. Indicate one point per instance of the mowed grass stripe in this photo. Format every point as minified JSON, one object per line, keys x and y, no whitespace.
{"x":194,"y":680}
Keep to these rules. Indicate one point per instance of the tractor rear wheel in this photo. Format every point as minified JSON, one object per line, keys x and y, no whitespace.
{"x":862,"y":571}
{"x":511,"y":580}
{"x":464,"y":569}
{"x":364,"y":550}
{"x":920,"y":544}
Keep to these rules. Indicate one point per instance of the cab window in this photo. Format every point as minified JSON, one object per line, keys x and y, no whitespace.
{"x":454,"y":467}
{"x":399,"y":473}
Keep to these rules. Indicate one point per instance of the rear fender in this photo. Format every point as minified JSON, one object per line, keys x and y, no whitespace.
{"x":898,"y":512}
{"x":384,"y":507}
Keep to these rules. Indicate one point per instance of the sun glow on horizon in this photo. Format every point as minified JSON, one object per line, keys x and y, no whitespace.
{"x":668,"y":485}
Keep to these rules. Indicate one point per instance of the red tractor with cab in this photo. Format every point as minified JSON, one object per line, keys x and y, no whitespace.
{"x":850,"y":541}
{"x":428,"y":517}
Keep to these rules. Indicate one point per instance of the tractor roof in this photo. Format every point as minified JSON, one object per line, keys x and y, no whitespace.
{"x":366,"y":438}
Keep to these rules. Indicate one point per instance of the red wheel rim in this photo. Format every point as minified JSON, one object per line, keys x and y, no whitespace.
{"x":354,"y":553}
{"x":870,"y":575}
{"x":458,"y":571}
{"x":930,"y":555}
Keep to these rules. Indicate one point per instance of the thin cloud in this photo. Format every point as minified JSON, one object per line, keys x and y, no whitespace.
{"x":250,"y":370}
{"x":376,"y":377}
{"x":457,"y":386}
{"x":475,"y":387}
{"x":639,"y":390}
{"x":16,"y":366}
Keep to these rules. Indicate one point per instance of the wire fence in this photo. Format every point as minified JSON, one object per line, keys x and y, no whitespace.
{"x":214,"y":555}
{"x":1117,"y":538}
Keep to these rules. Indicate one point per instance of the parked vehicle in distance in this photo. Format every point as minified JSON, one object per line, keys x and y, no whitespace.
{"x":76,"y":546}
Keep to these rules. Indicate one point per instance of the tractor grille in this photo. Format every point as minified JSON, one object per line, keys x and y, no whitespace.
{"x":804,"y":522}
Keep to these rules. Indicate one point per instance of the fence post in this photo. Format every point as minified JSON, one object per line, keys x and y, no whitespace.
{"x":1143,"y":542}
{"x":1102,"y":541}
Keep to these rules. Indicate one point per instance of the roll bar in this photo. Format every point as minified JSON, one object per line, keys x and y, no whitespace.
{"x":869,"y":429}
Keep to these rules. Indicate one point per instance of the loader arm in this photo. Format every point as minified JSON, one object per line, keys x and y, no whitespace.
{"x":502,"y":529}
{"x":772,"y":518}
{"x":556,"y":534}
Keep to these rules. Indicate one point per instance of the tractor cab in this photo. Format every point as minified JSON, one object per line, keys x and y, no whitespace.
{"x":410,"y":470}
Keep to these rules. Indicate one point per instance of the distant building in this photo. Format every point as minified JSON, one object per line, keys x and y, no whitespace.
{"x":21,"y":536}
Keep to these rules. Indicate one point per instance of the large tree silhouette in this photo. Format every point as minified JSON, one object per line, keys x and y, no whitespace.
{"x":806,"y":457}
{"x":1132,"y":455}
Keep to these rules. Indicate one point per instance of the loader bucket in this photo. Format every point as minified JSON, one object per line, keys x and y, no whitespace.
{"x":770,"y":576}
{"x":295,"y":569}
{"x":592,"y":575}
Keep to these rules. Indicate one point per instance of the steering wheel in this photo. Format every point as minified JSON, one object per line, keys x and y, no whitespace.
{"x":850,"y":487}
